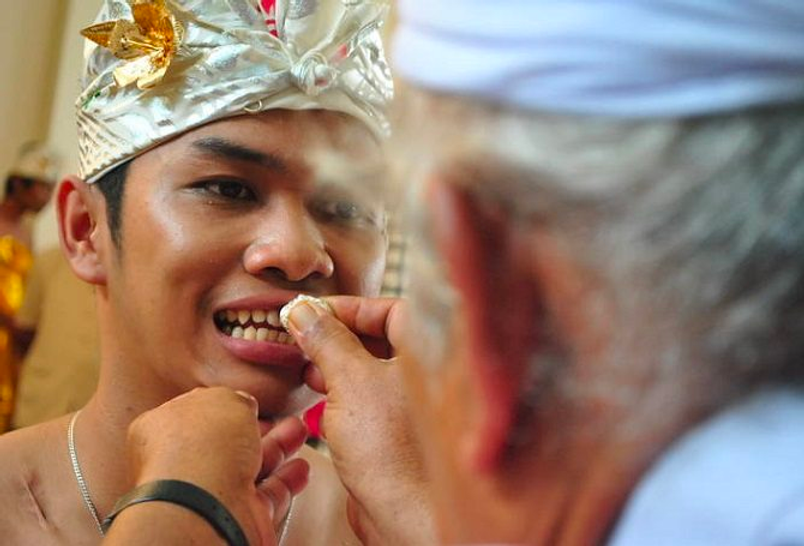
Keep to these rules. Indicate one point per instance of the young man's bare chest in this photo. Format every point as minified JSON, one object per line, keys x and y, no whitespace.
{"x":36,"y":500}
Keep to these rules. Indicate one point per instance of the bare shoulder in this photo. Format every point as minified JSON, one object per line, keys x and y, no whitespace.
{"x":319,"y":513}
{"x":26,"y":473}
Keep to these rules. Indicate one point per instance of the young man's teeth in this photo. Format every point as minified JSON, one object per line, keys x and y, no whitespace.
{"x":273,"y":318}
{"x":253,"y":325}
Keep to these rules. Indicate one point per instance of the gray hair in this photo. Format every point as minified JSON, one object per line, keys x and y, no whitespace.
{"x":698,"y":221}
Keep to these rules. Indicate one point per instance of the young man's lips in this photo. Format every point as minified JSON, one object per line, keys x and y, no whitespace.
{"x":250,"y":329}
{"x":264,"y":353}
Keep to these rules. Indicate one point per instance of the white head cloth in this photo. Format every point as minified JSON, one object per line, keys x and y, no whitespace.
{"x":36,"y":161}
{"x":233,"y":57}
{"x":625,"y":58}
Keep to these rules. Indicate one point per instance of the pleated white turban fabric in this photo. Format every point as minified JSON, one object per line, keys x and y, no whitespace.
{"x":622,"y":58}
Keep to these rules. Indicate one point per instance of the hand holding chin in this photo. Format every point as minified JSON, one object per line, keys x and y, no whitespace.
{"x":211,"y":437}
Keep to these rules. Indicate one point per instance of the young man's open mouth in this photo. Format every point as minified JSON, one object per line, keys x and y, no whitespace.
{"x":253,"y":325}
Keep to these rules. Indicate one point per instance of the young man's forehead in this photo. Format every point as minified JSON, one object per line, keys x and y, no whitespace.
{"x":325,"y":148}
{"x":298,"y":131}
{"x":214,"y":147}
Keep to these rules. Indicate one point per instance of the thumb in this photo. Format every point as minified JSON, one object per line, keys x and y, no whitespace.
{"x":330,"y":345}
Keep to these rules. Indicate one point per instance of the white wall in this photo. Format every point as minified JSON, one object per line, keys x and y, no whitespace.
{"x":29,"y":34}
{"x":61,"y":130}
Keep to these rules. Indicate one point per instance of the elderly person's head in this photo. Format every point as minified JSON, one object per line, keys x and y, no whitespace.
{"x":610,"y":202}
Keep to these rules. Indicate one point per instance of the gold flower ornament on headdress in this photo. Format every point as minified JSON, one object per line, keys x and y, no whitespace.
{"x":148,"y":44}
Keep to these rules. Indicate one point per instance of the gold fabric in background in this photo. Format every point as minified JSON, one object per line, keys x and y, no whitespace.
{"x":15,"y":261}
{"x":60,"y":371}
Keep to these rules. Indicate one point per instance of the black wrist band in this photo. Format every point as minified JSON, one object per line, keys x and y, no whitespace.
{"x":189,"y":496}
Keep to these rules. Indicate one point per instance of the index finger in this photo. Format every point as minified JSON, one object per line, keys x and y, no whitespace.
{"x":375,"y":317}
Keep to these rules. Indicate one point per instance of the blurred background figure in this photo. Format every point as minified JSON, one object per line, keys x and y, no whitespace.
{"x":28,"y":186}
{"x":60,"y":370}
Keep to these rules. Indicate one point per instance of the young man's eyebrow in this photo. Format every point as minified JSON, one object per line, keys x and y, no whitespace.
{"x":231,"y":150}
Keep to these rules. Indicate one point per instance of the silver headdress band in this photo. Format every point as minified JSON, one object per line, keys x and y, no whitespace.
{"x":157,"y":68}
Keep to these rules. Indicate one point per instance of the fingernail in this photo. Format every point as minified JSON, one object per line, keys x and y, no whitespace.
{"x":251,"y":399}
{"x":302,"y":316}
{"x":246,"y":395}
{"x":317,"y":305}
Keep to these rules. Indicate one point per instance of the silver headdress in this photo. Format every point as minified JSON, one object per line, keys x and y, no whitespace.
{"x":157,"y":68}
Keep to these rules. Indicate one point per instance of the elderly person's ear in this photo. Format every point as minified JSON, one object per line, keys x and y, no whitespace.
{"x":81,"y":222}
{"x":487,"y":257}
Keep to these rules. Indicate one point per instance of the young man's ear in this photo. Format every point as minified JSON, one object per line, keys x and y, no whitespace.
{"x":80,"y":213}
{"x":487,"y":258}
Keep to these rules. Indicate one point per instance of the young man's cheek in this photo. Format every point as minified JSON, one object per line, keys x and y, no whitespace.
{"x":362,"y":272}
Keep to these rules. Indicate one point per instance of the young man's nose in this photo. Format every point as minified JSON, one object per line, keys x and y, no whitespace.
{"x":290,"y":243}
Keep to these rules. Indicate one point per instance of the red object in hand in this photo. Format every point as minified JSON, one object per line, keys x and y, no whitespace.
{"x":312,"y":418}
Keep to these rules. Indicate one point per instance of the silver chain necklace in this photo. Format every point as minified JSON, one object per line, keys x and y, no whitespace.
{"x":286,"y":523}
{"x":79,"y":476}
{"x":93,"y":511}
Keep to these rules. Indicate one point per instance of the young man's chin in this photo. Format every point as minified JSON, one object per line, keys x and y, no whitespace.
{"x":295,"y":403}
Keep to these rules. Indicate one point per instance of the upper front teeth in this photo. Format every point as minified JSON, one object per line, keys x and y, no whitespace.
{"x":273,"y":318}
{"x":256,"y":317}
{"x":253,"y":325}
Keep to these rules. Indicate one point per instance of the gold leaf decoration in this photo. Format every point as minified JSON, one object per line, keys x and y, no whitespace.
{"x":147,"y":44}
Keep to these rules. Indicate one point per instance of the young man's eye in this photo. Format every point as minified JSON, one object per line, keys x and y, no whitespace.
{"x":230,"y":189}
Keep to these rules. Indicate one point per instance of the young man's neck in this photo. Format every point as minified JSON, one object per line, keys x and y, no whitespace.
{"x":100,"y":438}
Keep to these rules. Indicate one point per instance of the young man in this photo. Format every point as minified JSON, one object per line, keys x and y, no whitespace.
{"x":202,"y":208}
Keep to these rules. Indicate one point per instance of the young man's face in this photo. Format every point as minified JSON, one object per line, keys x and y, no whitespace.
{"x":233,"y":219}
